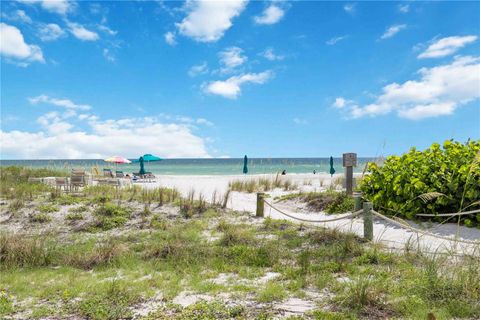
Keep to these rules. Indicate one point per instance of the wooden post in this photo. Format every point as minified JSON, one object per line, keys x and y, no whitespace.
{"x":357,"y":197}
{"x":260,"y":204}
{"x":367,"y":221}
{"x":349,"y":161}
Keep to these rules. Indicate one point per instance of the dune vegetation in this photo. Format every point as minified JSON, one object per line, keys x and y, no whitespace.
{"x":109,"y":253}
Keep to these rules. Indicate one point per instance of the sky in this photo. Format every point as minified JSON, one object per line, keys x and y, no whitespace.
{"x":197,"y":79}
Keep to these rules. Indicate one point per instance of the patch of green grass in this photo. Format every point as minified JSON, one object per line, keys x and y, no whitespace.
{"x":40,"y":217}
{"x":6,"y":302}
{"x":271,"y":291}
{"x":47,"y":208}
{"x":74,"y":216}
{"x":262,"y":184}
{"x":66,"y":200}
{"x":159,"y":222}
{"x":108,"y":302}
{"x":109,"y":216}
{"x":79,"y":209}
{"x":201,"y":310}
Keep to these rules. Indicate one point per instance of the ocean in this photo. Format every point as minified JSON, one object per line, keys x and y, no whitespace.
{"x":201,"y":166}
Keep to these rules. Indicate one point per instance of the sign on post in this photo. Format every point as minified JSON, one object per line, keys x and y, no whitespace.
{"x":349,"y":161}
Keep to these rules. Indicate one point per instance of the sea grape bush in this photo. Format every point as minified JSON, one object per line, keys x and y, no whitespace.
{"x":452,"y":170}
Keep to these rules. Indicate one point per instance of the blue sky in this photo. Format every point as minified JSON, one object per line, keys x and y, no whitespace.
{"x":224,"y":79}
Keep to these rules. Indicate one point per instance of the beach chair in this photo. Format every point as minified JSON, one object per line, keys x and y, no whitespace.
{"x":109,"y":182}
{"x":77,"y":179}
{"x":119,"y":174}
{"x":61,"y":183}
{"x":107,"y":173}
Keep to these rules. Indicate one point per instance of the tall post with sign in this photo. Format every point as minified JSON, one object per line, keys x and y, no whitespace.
{"x":349,"y":161}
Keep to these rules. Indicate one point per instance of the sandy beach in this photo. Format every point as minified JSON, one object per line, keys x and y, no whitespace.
{"x":391,"y":236}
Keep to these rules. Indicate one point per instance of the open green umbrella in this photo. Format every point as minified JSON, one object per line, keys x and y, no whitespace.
{"x":146,"y":158}
{"x":245,"y":168}
{"x":332,"y":170}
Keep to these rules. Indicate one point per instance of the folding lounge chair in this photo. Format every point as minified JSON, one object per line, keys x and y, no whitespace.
{"x":77,"y":179}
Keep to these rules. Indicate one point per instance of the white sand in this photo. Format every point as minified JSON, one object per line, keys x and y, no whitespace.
{"x":391,"y":236}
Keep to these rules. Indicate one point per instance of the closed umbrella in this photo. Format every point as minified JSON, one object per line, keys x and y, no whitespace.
{"x":142,"y":167}
{"x":146,"y":158}
{"x":245,"y":162}
{"x":332,"y":170}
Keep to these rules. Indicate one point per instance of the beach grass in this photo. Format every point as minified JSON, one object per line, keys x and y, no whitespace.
{"x":262,"y":184}
{"x":109,"y":253}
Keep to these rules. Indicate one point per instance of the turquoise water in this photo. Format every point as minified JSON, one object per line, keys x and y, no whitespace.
{"x":201,"y":166}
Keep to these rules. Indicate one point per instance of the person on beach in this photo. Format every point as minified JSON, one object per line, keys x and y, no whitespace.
{"x":284,"y":172}
{"x":314,"y":171}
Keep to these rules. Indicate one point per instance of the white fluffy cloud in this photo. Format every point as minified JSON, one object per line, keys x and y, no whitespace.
{"x":58,"y":6}
{"x":61,"y":7}
{"x":447,"y":46}
{"x":231,"y":88}
{"x":198,"y":69}
{"x":80,"y":32}
{"x":271,"y":15}
{"x":439,"y":91}
{"x":207,"y":21}
{"x":129,"y":137}
{"x":50,"y":32}
{"x":340,"y":103}
{"x":269,"y":54}
{"x":17,"y":15}
{"x":393,"y":30}
{"x":65,"y":103}
{"x":13,"y":46}
{"x":232,"y":57}
{"x":170,"y":38}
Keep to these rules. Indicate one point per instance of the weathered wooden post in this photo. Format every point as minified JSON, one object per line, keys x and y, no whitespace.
{"x":357,"y":197}
{"x":260,"y":204}
{"x":349,"y":161}
{"x":367,"y":221}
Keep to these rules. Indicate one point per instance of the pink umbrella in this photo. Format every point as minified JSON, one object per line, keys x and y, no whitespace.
{"x":117,"y":160}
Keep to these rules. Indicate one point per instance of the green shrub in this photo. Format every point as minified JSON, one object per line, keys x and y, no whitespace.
{"x":451,"y":175}
{"x":110,"y":216}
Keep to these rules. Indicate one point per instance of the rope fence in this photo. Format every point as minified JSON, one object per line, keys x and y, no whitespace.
{"x":464,"y":213}
{"x":349,"y":216}
{"x":367,"y":213}
{"x":424,"y":232}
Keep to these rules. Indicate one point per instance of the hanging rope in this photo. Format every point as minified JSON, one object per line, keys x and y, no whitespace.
{"x":448,"y":214}
{"x":400,"y":224}
{"x":352,"y":215}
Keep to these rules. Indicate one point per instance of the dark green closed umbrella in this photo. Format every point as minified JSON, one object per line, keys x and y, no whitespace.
{"x":146,"y":158}
{"x":245,"y":168}
{"x":332,"y":170}
{"x":142,"y":166}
